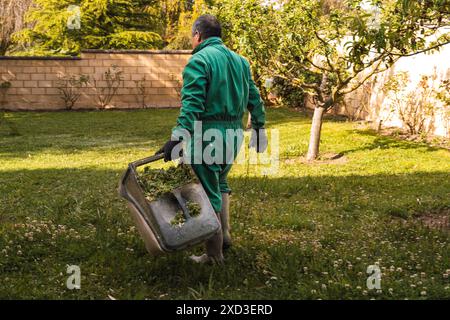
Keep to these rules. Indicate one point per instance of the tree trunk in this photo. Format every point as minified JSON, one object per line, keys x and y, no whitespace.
{"x":314,"y":138}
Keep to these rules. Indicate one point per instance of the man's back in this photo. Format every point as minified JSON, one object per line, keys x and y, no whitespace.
{"x":217,"y":86}
{"x":228,"y":85}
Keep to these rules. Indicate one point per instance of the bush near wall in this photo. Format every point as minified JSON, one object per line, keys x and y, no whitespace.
{"x":34,"y":80}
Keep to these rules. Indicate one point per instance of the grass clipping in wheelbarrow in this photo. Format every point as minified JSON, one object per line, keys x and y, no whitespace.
{"x":157,"y":182}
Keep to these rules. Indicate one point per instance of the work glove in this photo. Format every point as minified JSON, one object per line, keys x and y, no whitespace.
{"x":258,"y":140}
{"x":167,"y":150}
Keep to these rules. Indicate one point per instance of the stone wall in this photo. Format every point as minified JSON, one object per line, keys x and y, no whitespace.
{"x":149,"y":79}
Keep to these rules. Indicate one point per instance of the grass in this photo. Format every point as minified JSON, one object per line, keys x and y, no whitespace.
{"x":308,"y":232}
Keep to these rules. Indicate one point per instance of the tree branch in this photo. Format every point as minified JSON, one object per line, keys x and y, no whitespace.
{"x":421,"y":51}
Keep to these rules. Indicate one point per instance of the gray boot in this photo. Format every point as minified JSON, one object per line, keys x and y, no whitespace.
{"x":213,"y":250}
{"x":225,"y":220}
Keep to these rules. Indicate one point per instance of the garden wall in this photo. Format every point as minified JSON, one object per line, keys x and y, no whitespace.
{"x":372,"y":103}
{"x":150,"y":79}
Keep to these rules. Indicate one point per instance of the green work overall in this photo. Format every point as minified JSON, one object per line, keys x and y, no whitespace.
{"x":217,"y":89}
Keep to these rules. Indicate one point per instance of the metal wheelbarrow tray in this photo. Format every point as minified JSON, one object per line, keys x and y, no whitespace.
{"x":153,"y":218}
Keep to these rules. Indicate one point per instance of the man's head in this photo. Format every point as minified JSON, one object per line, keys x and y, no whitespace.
{"x":204,"y":27}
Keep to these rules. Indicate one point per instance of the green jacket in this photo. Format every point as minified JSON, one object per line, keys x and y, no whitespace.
{"x":218,"y":86}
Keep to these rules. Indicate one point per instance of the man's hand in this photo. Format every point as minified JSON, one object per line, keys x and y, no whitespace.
{"x":258,"y":140}
{"x":167,"y":150}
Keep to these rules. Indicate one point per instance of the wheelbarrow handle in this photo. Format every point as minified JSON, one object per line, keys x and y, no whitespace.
{"x":141,"y":162}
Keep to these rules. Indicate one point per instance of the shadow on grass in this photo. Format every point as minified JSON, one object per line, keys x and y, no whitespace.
{"x":72,"y":132}
{"x":387,"y":142}
{"x":65,"y":132}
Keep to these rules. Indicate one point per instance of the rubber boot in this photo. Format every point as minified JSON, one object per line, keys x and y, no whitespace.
{"x":225,"y":221}
{"x":213,"y":253}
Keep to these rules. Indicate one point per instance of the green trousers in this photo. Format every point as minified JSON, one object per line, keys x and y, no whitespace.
{"x":213,"y":176}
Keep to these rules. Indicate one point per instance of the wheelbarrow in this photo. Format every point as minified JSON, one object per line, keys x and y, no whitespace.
{"x":153,"y":218}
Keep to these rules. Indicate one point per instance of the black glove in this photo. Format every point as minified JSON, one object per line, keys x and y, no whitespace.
{"x":167,"y":150}
{"x":258,"y":140}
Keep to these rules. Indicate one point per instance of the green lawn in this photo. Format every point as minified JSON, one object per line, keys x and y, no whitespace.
{"x":308,"y":232}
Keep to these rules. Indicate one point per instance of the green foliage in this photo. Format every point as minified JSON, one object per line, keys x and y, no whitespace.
{"x":105,"y":24}
{"x":179,"y":219}
{"x":194,"y":210}
{"x":250,"y":29}
{"x":182,"y":33}
{"x":290,"y":95}
{"x":171,"y":12}
{"x":157,"y":182}
{"x":135,"y":40}
{"x":330,"y":51}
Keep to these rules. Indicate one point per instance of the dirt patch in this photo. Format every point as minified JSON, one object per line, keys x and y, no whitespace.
{"x":326,"y":158}
{"x":439,"y":221}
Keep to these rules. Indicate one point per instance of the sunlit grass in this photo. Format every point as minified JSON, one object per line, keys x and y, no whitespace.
{"x":309,"y":231}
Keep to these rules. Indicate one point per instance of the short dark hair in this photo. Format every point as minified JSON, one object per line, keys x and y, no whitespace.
{"x":208,"y":26}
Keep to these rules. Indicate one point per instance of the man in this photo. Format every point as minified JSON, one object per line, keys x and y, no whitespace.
{"x":217,"y":89}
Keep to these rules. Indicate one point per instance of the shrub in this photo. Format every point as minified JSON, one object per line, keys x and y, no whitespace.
{"x":288,"y":94}
{"x":414,"y":108}
{"x":114,"y":79}
{"x":69,"y":87}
